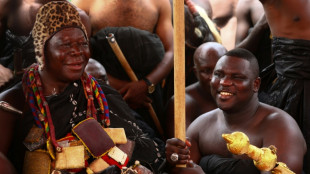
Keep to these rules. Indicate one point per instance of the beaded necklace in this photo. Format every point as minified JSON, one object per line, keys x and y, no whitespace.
{"x":33,"y":90}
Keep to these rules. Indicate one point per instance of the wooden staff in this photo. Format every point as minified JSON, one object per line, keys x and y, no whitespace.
{"x":120,"y":56}
{"x":179,"y":70}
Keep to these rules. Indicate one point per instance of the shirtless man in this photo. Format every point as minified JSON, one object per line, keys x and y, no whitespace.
{"x":198,"y":99}
{"x":18,"y":17}
{"x":289,"y":24}
{"x":234,"y":87}
{"x":153,"y":16}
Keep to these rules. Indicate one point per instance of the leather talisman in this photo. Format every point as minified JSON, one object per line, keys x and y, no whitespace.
{"x":93,"y":136}
{"x":37,"y":162}
{"x":70,"y":158}
{"x":35,"y":139}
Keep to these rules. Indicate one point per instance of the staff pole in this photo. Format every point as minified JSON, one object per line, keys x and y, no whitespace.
{"x":179,"y":69}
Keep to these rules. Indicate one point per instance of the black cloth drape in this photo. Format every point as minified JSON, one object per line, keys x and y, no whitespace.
{"x":286,"y":84}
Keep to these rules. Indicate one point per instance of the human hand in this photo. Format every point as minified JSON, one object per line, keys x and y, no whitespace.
{"x":181,"y":148}
{"x":5,"y":75}
{"x":135,"y":94}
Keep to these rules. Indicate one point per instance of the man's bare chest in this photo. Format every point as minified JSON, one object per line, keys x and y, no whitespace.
{"x":117,"y":13}
{"x":213,"y":143}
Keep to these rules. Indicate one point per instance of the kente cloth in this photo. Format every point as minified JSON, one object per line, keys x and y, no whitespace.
{"x":286,"y":84}
{"x":215,"y":164}
{"x":69,"y":108}
{"x":143,"y":51}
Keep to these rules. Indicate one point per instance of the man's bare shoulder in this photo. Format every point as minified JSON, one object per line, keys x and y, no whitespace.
{"x":278,"y":121}
{"x":191,"y":91}
{"x":205,"y":119}
{"x":278,"y":128}
{"x":274,"y":113}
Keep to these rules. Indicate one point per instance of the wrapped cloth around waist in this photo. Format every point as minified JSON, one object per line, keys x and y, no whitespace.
{"x":142,"y":49}
{"x":292,"y":57}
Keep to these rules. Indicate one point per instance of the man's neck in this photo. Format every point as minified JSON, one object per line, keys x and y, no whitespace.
{"x":243,"y":116}
{"x":51,"y":86}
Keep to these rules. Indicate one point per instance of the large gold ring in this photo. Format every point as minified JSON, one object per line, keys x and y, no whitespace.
{"x":174,"y":157}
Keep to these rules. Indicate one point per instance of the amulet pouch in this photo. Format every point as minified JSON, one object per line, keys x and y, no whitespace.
{"x":93,"y":136}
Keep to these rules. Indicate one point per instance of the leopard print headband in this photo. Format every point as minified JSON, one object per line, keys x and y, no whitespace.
{"x":51,"y":18}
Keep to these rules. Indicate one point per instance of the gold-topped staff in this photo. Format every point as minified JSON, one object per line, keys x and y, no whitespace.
{"x":179,"y":69}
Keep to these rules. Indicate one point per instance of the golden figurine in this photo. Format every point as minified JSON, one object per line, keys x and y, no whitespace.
{"x":265,"y":159}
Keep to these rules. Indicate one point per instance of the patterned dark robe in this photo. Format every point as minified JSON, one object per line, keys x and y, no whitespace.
{"x":69,"y":108}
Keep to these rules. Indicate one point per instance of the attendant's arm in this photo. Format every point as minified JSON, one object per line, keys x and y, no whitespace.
{"x":7,"y":122}
{"x":252,"y":41}
{"x":228,"y":33}
{"x":5,"y":75}
{"x":134,"y":93}
{"x":8,"y":118}
{"x":116,"y":83}
{"x":243,"y":25}
{"x":164,"y":30}
{"x":5,"y":165}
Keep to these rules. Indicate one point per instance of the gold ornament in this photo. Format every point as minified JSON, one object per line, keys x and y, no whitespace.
{"x":265,"y":159}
